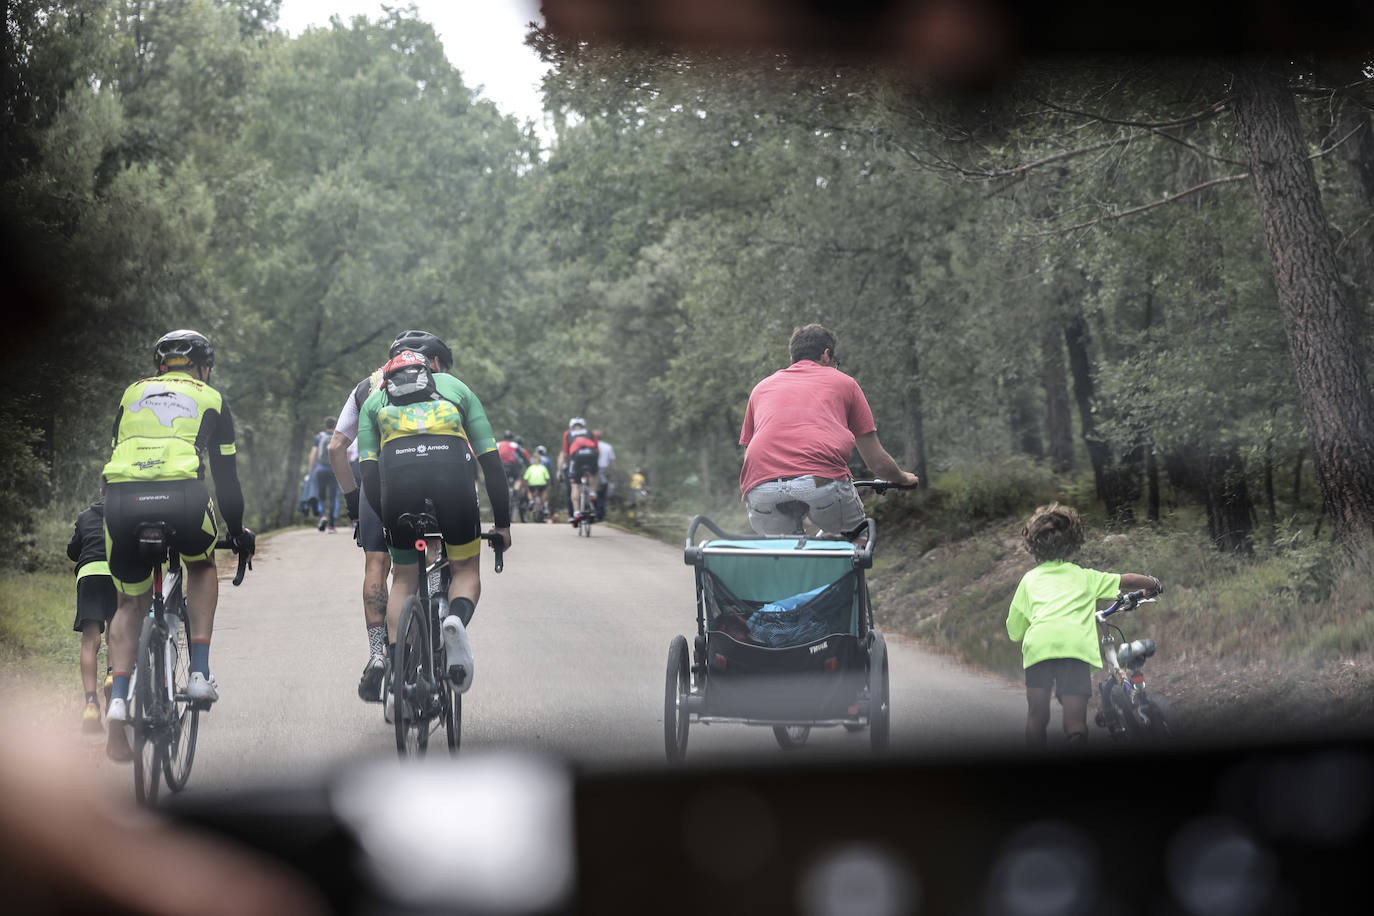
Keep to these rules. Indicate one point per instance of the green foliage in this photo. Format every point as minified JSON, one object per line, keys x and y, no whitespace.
{"x":36,"y":613}
{"x":978,"y":489}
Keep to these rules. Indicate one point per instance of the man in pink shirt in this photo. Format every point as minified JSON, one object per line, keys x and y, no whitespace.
{"x":801,"y":426}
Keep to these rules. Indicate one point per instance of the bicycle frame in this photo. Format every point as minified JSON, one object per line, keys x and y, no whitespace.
{"x":1128,"y":678}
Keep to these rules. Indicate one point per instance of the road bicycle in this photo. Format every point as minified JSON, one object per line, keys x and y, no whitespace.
{"x":586,"y":504}
{"x":165,"y":721}
{"x":1128,"y":712}
{"x":423,"y":694}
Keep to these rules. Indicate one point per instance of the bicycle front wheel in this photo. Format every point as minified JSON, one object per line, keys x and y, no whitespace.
{"x":181,"y":751}
{"x":412,"y":676}
{"x":147,"y":715}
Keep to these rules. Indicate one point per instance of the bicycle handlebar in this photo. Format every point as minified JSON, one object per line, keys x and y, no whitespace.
{"x":1126,"y":601}
{"x":882,"y":486}
{"x":428,"y":525}
{"x":245,"y":559}
{"x":498,"y":544}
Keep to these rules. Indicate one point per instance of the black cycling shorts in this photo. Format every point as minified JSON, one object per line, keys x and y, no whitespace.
{"x":1070,"y":675}
{"x":182,"y":504}
{"x":438,"y":468}
{"x":583,"y":461}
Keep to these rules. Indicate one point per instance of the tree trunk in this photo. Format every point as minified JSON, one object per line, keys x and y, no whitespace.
{"x":1058,"y":420}
{"x":1022,"y":417}
{"x":1152,"y":485}
{"x":1352,"y":124}
{"x":913,"y":427}
{"x":1328,"y":360}
{"x":291,"y":487}
{"x":1118,"y":487}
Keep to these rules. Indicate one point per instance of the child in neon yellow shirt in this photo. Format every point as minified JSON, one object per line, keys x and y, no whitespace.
{"x":1052,"y":615}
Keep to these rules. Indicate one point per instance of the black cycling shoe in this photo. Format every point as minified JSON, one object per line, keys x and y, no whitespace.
{"x":458,"y":674}
{"x":370,"y":686}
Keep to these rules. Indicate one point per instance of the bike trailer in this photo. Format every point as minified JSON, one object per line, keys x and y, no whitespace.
{"x":782,"y":629}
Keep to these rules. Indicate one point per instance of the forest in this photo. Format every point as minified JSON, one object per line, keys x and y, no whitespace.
{"x":1149,"y":278}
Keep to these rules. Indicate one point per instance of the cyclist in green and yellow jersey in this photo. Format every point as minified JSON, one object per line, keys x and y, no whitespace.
{"x":167,"y":429}
{"x":417,"y":440}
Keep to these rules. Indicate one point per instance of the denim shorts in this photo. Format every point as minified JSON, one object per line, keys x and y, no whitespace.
{"x":832,"y":505}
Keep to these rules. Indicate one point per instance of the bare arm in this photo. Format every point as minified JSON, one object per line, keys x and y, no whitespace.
{"x":338,"y":460}
{"x":880,"y":462}
{"x":1131,"y":582}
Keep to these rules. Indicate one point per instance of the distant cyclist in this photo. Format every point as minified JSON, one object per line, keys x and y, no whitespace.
{"x":578,"y":457}
{"x":514,"y":460}
{"x":417,"y":437}
{"x":167,"y":429}
{"x":536,"y":481}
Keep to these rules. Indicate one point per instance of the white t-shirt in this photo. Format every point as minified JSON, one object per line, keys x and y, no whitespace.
{"x":347,"y":424}
{"x":605,"y":455}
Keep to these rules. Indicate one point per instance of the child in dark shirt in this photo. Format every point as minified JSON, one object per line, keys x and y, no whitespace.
{"x":95,"y":601}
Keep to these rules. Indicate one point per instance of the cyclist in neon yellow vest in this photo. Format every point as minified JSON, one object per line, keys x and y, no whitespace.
{"x":167,"y":429}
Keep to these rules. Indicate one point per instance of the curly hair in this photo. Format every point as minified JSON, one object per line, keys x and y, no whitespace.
{"x":1053,"y":532}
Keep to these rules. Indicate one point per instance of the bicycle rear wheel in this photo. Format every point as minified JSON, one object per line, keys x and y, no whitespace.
{"x":147,"y":715}
{"x":879,"y":695}
{"x":181,"y":751}
{"x":453,"y":717}
{"x":412,"y":673}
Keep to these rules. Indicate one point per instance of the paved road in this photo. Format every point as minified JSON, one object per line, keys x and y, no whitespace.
{"x":571,"y":645}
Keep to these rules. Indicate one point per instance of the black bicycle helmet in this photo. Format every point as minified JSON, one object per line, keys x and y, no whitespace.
{"x":423,"y":342}
{"x":181,"y":348}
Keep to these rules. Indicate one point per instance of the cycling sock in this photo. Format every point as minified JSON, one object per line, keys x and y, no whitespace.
{"x":119,"y":690}
{"x":200,"y":656}
{"x":376,"y":639}
{"x":464,"y":608}
{"x":90,"y":697}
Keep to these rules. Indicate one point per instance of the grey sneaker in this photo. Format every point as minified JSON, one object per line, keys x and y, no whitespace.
{"x":202,"y":688}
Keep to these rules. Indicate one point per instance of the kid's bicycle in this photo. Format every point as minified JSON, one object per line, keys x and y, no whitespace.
{"x":423,"y":694}
{"x":164,"y":719}
{"x":1128,"y":712}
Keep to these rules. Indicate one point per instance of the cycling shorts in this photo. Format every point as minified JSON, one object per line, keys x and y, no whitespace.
{"x":582,"y":462}
{"x":370,"y":535}
{"x":184,"y":505}
{"x":513,"y":470}
{"x":442,"y":470}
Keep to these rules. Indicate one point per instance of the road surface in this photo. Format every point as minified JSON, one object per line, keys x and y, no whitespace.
{"x":570,"y":644}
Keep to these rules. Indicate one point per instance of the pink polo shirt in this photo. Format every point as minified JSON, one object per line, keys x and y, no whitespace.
{"x":802,"y":420}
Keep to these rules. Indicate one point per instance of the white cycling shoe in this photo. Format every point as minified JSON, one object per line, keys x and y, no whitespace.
{"x":458,"y":652}
{"x":201,"y":688}
{"x":118,"y":711}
